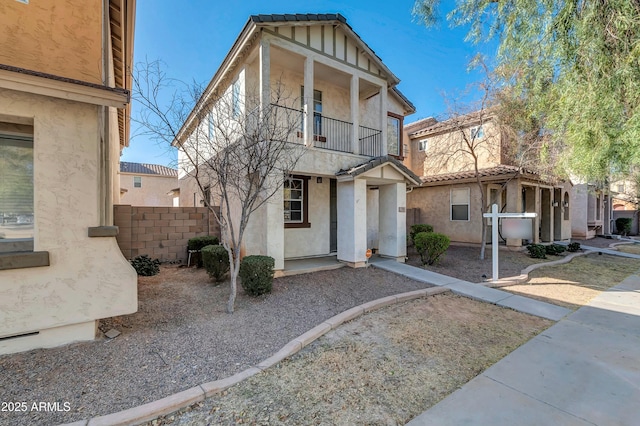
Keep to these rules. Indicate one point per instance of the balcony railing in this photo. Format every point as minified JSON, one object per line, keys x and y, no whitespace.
{"x":335,"y":135}
{"x":370,"y":141}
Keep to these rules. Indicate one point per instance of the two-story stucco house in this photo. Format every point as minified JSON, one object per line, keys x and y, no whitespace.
{"x":64,"y":109}
{"x":144,"y":184}
{"x":449,"y":199}
{"x":347,"y":192}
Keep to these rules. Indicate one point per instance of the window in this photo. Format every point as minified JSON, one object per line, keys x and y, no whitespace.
{"x":621,"y":187}
{"x":394,"y":135}
{"x":422,"y":145}
{"x":16,"y":187}
{"x":235,"y":99}
{"x":295,"y":202}
{"x":206,"y":196}
{"x":137,"y":181}
{"x":211,"y":131}
{"x":477,"y":132}
{"x":460,"y":204}
{"x":317,"y":111}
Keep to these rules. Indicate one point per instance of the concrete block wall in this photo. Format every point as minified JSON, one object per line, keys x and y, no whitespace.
{"x":161,"y":232}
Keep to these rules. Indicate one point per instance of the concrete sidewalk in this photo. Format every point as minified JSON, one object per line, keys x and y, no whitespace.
{"x":474,"y":291}
{"x":584,"y":370}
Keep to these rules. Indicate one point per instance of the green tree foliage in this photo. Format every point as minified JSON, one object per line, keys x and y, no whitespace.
{"x":575,"y":63}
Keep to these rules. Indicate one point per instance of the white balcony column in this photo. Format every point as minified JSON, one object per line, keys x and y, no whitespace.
{"x":265,"y":74}
{"x":355,"y":114}
{"x":383,"y":119}
{"x":308,"y":101}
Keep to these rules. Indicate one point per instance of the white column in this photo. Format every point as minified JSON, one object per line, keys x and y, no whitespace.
{"x":383,"y":118}
{"x":355,"y":114}
{"x":393,"y":220}
{"x":308,"y":101}
{"x":265,"y":74}
{"x":352,"y":222}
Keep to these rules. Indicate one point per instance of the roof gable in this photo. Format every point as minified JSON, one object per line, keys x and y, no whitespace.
{"x":364,"y":169}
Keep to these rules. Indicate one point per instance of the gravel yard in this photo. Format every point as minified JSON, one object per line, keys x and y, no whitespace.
{"x":179,"y":338}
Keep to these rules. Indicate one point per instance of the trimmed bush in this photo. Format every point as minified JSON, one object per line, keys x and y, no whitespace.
{"x":431,"y":246}
{"x":146,"y":266}
{"x":537,"y":251}
{"x":197,"y":243}
{"x":215,"y":259}
{"x":555,"y":249}
{"x":256,"y":274}
{"x":573,"y":247}
{"x":417,"y":228}
{"x":623,"y":225}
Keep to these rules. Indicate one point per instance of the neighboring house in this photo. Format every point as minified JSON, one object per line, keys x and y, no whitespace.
{"x":64,"y":118}
{"x":147,"y":184}
{"x":591,"y":213}
{"x":349,"y":186}
{"x":449,"y":198}
{"x":624,"y":194}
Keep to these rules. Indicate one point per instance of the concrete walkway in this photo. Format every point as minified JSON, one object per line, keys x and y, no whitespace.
{"x":584,"y":370}
{"x":474,"y":291}
{"x":604,"y":250}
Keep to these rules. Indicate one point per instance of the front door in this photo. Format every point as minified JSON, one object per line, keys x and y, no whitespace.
{"x":333,"y":216}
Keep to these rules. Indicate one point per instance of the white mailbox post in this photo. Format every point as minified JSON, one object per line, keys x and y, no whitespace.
{"x":494,"y":216}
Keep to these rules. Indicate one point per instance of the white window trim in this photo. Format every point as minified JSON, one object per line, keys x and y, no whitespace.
{"x":451,"y":205}
{"x":475,"y":130}
{"x":134,"y":181}
{"x":301,"y":199}
{"x":422,"y":145}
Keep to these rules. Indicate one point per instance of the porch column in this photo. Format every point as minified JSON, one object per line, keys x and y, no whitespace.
{"x":308,"y":101}
{"x":538,"y":209}
{"x":514,"y":205}
{"x":352,"y":222}
{"x":265,"y":74}
{"x":383,"y":119}
{"x":275,"y":229}
{"x":355,"y":114}
{"x":393,"y":219}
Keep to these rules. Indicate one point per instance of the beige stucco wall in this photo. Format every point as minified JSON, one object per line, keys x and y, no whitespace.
{"x":57,"y":37}
{"x":435,"y":209}
{"x":311,"y":241}
{"x":88,"y":278}
{"x":153,"y":192}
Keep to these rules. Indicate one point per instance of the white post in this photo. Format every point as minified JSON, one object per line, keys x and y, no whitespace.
{"x":494,"y":240}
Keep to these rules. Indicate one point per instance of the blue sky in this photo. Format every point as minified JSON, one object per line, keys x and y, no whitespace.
{"x":192,"y":38}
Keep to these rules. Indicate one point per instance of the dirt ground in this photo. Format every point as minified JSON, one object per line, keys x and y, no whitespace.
{"x":384,"y":368}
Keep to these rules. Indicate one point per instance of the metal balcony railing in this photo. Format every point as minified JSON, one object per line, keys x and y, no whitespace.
{"x":332,"y":134}
{"x":370,"y":141}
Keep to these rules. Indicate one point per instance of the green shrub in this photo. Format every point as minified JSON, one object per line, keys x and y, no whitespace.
{"x":146,"y":266}
{"x":537,"y":251}
{"x":215,"y":259}
{"x":256,"y":274}
{"x":431,"y":246}
{"x":623,"y":225}
{"x":197,"y":243}
{"x":417,"y":228}
{"x":573,"y":247}
{"x":555,"y":249}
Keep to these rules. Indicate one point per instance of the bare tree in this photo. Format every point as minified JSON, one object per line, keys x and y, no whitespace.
{"x":494,"y":130}
{"x":237,"y":150}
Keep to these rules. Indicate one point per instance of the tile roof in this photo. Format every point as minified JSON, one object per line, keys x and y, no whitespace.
{"x":497,"y":171}
{"x":433,"y":127}
{"x":147,"y":169}
{"x":378,"y":161}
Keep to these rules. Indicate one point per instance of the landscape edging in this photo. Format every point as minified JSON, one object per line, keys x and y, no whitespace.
{"x":172,"y":403}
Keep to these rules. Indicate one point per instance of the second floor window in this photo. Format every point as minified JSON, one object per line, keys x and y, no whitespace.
{"x":394,"y":137}
{"x":235,"y":99}
{"x":137,"y":181}
{"x":317,"y":111}
{"x":211,"y":132}
{"x":477,"y":132}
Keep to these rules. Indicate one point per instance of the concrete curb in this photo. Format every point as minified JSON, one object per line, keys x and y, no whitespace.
{"x":175,"y":402}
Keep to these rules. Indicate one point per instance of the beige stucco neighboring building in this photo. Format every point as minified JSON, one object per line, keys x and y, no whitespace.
{"x":348,"y":189}
{"x":148,"y":185}
{"x":591,"y":212}
{"x":449,"y":198}
{"x":64,"y":101}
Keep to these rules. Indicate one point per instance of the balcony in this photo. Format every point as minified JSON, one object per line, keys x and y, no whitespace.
{"x":337,"y":135}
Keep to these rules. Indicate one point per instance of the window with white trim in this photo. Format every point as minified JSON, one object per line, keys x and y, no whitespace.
{"x":293,"y":200}
{"x":137,"y":181}
{"x":211,"y":130}
{"x":235,"y":99}
{"x":477,"y":132}
{"x":460,"y":204}
{"x":394,"y":138}
{"x":16,"y":187}
{"x":422,"y":145}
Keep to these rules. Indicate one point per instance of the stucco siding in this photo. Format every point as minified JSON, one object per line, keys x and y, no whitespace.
{"x":88,"y":278}
{"x":313,"y":241}
{"x":153,"y":192}
{"x":57,"y":37}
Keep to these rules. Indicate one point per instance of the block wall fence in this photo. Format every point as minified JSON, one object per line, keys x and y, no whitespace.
{"x":161,"y":232}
